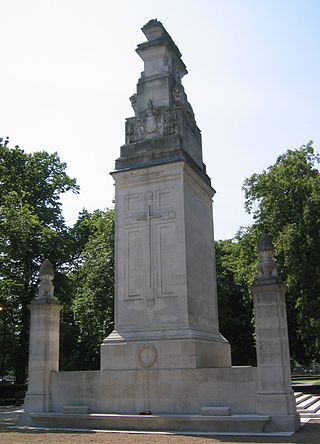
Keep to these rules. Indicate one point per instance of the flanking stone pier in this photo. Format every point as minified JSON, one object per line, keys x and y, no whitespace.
{"x":43,"y":343}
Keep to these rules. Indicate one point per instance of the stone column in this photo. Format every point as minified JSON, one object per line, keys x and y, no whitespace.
{"x":43,"y":342}
{"x":274,"y":392}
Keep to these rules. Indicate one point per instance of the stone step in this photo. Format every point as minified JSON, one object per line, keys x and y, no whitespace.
{"x":314,"y":407}
{"x":302,"y":398}
{"x":150,"y":423}
{"x":309,"y":415}
{"x":9,"y":414}
{"x":308,"y":406}
{"x":307,"y":402}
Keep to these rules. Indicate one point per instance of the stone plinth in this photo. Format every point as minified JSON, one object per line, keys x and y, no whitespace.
{"x":43,"y":354}
{"x":166,"y":299}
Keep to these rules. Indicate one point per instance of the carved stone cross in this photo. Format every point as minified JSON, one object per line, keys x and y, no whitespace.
{"x":149,"y":218}
{"x":150,"y":241}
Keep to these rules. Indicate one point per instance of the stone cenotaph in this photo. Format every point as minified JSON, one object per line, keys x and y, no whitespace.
{"x":166,"y":357}
{"x":166,"y":299}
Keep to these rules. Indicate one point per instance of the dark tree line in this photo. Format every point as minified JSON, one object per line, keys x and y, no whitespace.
{"x":32,"y":228}
{"x":285,"y":202}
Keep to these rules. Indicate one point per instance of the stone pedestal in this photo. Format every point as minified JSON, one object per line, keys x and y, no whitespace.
{"x":43,"y":346}
{"x":166,"y":299}
{"x":274,"y":392}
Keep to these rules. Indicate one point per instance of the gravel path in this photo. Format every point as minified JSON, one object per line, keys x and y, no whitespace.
{"x":309,"y":433}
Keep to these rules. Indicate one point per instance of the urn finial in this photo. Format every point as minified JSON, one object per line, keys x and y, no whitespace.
{"x":267,"y":267}
{"x":46,"y":275}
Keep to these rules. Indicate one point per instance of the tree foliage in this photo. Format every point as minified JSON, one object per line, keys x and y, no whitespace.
{"x":92,"y":286}
{"x":32,"y":228}
{"x":234,"y":301}
{"x":285,"y":202}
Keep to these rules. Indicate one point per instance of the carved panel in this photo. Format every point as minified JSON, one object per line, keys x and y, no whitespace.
{"x":164,"y":199}
{"x":133,"y":203}
{"x":153,"y":122}
{"x":149,"y":244}
{"x":136,"y":263}
{"x":167,"y":259}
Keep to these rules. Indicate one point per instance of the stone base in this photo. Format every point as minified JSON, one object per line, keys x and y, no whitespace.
{"x":75,"y":409}
{"x":168,"y":393}
{"x":121,"y":354}
{"x":215,"y":411}
{"x":248,"y":424}
{"x":283,"y":423}
{"x":280,"y":403}
{"x":37,"y":402}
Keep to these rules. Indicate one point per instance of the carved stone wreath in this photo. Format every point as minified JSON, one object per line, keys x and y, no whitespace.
{"x":147,"y":355}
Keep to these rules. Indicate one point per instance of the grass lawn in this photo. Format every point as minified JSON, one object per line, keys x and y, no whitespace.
{"x":306,"y":381}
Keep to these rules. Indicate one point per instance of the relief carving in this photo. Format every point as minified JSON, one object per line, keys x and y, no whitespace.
{"x":147,"y":355}
{"x":133,"y":101}
{"x":180,"y":99}
{"x":153,"y":122}
{"x":151,"y":119}
{"x":149,"y":195}
{"x":149,"y":238}
{"x":169,"y":122}
{"x":130,"y":130}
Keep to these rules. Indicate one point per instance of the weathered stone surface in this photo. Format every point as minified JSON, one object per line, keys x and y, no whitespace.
{"x":216,"y":411}
{"x":75,"y":409}
{"x":157,"y":390}
{"x":124,"y":354}
{"x":161,"y":107}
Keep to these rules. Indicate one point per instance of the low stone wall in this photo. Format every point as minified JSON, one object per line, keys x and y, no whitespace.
{"x":155,"y":390}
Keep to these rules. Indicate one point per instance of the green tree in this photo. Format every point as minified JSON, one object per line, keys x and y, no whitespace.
{"x":235,"y":273}
{"x":88,"y":316}
{"x":285,"y":202}
{"x":31,"y":228}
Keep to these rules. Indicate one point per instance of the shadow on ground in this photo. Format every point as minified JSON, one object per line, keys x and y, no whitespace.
{"x":309,"y":433}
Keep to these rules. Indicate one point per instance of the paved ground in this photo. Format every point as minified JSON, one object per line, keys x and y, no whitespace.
{"x":309,"y":433}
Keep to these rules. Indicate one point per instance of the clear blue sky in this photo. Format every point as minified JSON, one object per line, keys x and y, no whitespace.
{"x":68,"y":68}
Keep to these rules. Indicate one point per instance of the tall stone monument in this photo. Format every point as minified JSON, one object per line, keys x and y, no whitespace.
{"x":166,"y":300}
{"x":166,"y":356}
